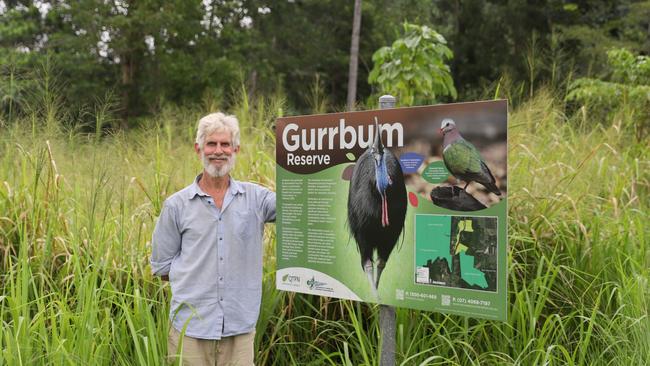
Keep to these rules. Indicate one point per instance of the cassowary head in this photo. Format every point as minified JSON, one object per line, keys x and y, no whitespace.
{"x":447,"y":125}
{"x":381,"y":173}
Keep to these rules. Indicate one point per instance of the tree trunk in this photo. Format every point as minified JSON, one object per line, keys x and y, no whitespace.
{"x":131,"y":54}
{"x":126,"y":84}
{"x":354,"y":56}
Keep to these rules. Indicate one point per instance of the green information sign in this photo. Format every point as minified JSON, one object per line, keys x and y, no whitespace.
{"x":435,"y":172}
{"x":405,"y":207}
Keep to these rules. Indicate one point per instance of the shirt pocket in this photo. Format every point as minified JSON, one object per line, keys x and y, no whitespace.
{"x":245,"y":259}
{"x":245,"y":225}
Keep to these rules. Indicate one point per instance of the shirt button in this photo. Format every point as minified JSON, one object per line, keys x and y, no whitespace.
{"x":220,"y":278}
{"x":221,"y":258}
{"x":220,"y":238}
{"x":221,"y":299}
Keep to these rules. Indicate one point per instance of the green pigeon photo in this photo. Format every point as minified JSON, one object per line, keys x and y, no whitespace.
{"x":464,"y":161}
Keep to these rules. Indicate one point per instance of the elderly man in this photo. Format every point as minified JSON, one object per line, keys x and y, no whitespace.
{"x":208,"y":244}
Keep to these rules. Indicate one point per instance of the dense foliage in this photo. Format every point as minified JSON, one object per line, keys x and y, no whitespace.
{"x":627,"y":90}
{"x":154,"y":52}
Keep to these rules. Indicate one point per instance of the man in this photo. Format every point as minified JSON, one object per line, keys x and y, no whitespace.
{"x":208,"y":244}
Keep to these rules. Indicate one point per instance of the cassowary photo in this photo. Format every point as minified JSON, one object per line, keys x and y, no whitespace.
{"x":463,"y":160}
{"x":376,"y":206}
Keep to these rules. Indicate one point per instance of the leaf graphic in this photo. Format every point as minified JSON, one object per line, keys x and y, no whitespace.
{"x":347,"y":172}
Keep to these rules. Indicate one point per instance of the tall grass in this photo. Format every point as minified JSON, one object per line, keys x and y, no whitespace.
{"x":77,"y":211}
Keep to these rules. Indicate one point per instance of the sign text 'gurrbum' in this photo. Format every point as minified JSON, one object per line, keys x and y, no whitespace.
{"x":295,"y":138}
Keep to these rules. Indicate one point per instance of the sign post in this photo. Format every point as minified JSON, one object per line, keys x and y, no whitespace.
{"x":387,"y":313}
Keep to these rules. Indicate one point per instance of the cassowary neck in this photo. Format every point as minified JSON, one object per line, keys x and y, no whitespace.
{"x":381,"y":175}
{"x":383,"y":182}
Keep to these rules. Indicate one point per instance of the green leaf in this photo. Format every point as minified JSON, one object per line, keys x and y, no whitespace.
{"x":570,"y":7}
{"x":415,"y":67}
{"x":412,"y":42}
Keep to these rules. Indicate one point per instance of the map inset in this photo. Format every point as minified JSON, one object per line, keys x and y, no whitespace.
{"x":456,"y":251}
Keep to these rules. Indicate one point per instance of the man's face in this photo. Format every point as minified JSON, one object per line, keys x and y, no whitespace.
{"x":218,"y":155}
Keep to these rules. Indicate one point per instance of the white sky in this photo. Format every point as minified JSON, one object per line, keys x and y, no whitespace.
{"x":42,"y":7}
{"x":151,"y":43}
{"x":121,"y":7}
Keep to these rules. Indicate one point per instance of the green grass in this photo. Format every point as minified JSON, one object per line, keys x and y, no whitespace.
{"x":77,"y":211}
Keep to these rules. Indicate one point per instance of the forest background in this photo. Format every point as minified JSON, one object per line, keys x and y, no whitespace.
{"x":150,"y":53}
{"x":98,"y":105}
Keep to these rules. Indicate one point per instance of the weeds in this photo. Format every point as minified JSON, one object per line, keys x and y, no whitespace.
{"x":77,"y":211}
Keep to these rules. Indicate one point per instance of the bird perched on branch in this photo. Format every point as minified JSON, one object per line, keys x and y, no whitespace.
{"x":376,"y":206}
{"x":463,"y":160}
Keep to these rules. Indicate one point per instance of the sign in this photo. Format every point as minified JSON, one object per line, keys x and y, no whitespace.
{"x":405,"y":207}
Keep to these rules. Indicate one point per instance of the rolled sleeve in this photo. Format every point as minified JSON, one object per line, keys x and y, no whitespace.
{"x":268,"y":205}
{"x":166,"y":241}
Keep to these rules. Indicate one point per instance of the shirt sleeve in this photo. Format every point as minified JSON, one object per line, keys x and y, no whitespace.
{"x":166,"y":241}
{"x":268,"y":205}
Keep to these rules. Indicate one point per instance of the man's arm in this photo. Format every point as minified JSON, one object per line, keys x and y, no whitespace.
{"x":166,"y":241}
{"x":268,"y":205}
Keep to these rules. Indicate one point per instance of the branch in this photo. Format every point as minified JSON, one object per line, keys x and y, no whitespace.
{"x":455,"y":198}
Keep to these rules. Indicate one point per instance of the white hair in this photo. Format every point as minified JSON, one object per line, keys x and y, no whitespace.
{"x":217,"y":122}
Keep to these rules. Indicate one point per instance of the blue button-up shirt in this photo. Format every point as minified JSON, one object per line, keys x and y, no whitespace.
{"x":213,"y":257}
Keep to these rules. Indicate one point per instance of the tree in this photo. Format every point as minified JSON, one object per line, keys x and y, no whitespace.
{"x":21,"y":32}
{"x":354,"y":56}
{"x":147,"y":51}
{"x":414,"y":67}
{"x":297,"y":40}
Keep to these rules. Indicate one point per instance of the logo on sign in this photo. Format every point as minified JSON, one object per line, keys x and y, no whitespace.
{"x":317,"y":285}
{"x":291,"y":279}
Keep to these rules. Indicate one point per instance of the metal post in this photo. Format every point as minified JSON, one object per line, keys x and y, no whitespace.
{"x":386,"y":102}
{"x":387,"y":313}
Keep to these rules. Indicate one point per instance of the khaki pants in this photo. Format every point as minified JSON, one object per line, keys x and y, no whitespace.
{"x":228,"y":351}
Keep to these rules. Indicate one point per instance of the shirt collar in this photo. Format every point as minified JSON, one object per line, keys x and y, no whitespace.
{"x":235,"y":187}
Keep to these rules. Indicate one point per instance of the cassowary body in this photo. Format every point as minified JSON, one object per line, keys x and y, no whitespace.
{"x":376,"y":206}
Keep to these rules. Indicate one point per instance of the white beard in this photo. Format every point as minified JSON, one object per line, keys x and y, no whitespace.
{"x":214,"y":171}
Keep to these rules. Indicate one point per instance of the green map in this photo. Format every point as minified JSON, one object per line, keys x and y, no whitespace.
{"x":456,"y":251}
